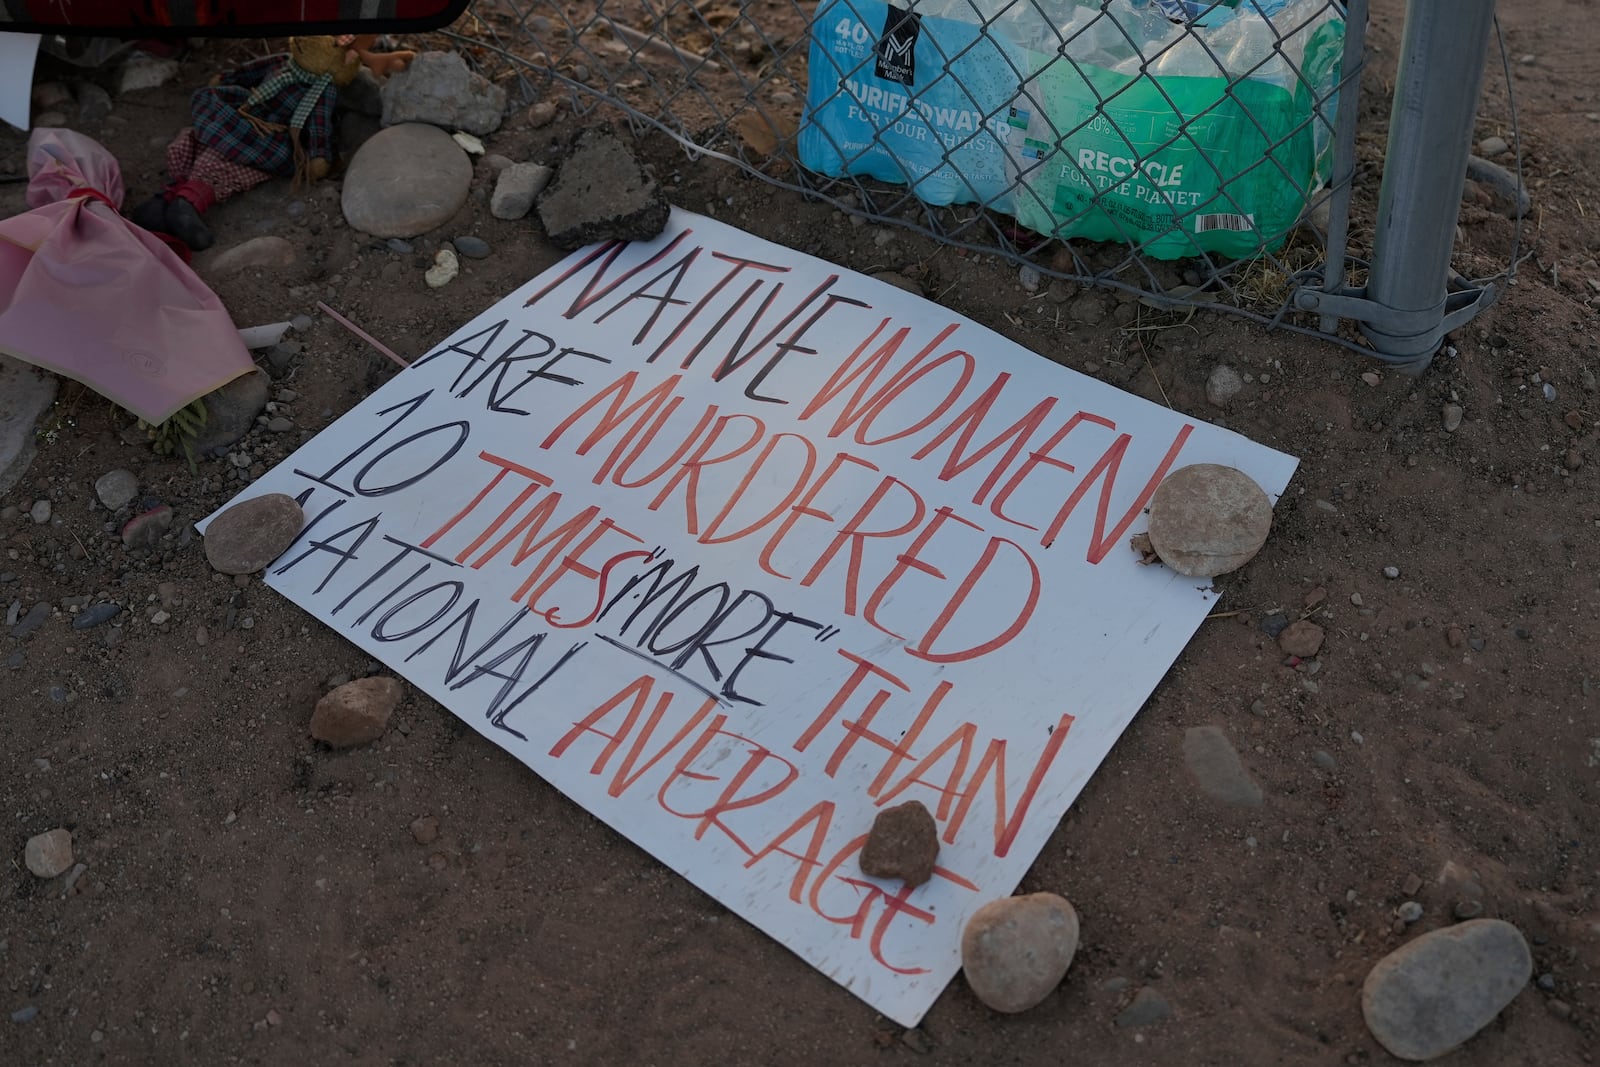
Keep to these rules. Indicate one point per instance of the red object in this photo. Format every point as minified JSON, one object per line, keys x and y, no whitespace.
{"x":167,"y":239}
{"x":197,"y":192}
{"x":93,"y":194}
{"x":222,"y":18}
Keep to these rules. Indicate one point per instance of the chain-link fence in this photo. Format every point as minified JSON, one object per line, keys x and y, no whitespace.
{"x":1197,"y":153}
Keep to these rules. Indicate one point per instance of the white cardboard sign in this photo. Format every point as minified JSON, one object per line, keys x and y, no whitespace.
{"x":737,"y":548}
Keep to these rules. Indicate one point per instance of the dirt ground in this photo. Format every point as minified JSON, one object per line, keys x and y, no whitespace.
{"x":252,"y":897}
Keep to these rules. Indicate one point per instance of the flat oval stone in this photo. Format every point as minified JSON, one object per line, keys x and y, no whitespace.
{"x":1208,"y":519}
{"x":405,"y":181}
{"x":1432,"y":994}
{"x":1015,"y":950}
{"x":253,"y":533}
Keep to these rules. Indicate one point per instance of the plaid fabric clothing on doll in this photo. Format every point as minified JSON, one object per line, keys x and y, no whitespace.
{"x":269,"y":115}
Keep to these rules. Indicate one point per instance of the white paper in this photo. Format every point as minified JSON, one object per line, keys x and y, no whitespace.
{"x":17,"y":54}
{"x":758,"y":596}
{"x":257,"y":337}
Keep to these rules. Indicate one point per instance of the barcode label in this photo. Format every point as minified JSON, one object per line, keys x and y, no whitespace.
{"x":1236,"y":223}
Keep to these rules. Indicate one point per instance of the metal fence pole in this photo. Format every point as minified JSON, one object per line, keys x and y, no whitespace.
{"x":1430,"y":137}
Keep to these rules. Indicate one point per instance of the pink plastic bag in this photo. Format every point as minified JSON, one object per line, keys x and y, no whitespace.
{"x":86,"y":293}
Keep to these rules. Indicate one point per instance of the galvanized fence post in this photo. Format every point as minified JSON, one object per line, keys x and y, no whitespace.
{"x":1430,"y":137}
{"x":1409,"y":302}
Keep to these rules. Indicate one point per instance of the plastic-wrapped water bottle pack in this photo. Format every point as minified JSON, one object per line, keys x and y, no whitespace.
{"x":1185,"y":127}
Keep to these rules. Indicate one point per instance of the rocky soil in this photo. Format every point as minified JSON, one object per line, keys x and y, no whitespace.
{"x":1386,"y":736}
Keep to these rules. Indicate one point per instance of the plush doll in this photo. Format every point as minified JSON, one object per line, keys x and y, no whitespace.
{"x":270,"y":118}
{"x":381,"y":64}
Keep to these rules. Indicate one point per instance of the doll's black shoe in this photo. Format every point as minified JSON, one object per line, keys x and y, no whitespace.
{"x":151,"y":215}
{"x":184,"y":223}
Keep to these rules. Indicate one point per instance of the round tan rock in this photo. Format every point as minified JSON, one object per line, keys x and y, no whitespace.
{"x":1208,"y":519}
{"x":1016,"y":950}
{"x":253,"y":533}
{"x":49,"y":854}
{"x":356,"y":712}
{"x":1301,"y":638}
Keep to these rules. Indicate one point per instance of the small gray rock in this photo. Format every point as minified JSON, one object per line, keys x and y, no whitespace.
{"x":1016,"y":950}
{"x":543,"y":113}
{"x":1493,"y":146}
{"x":1409,"y":912}
{"x":232,"y":410}
{"x":405,"y":181}
{"x":280,"y":358}
{"x":904,"y":843}
{"x":516,"y":188}
{"x":472,"y":247}
{"x":26,"y":393}
{"x":1088,"y":308}
{"x":141,"y":71}
{"x":439,"y":89}
{"x":1451,"y":417}
{"x":116,"y":489}
{"x":1502,"y":181}
{"x":89,"y":618}
{"x":1432,"y":994}
{"x":1208,"y":519}
{"x":1146,"y":1008}
{"x":1322,"y":758}
{"x":94,"y":103}
{"x":30,"y":622}
{"x":1214,"y":765}
{"x":1222,"y":385}
{"x":40,"y":512}
{"x":1029,"y":278}
{"x":252,"y":533}
{"x":1458,"y":882}
{"x":49,"y":854}
{"x":601,"y":193}
{"x":356,"y":712}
